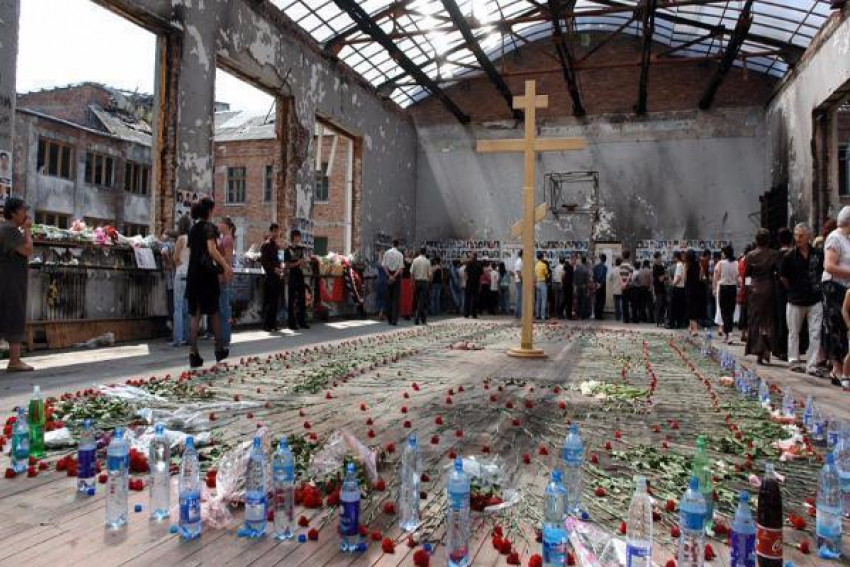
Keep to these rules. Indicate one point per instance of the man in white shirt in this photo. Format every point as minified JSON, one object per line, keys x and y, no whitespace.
{"x":420,"y":271}
{"x":518,"y":284}
{"x":679,"y":300}
{"x":393,"y":265}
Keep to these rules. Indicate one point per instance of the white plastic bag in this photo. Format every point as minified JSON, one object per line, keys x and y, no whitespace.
{"x":593,"y":546}
{"x":330,"y":458}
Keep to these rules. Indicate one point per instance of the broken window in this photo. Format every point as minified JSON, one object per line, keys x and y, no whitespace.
{"x":320,"y":245}
{"x":136,"y":178}
{"x":236,"y":180}
{"x":323,"y":184}
{"x":98,"y":169}
{"x":267,"y":193}
{"x":844,"y":170}
{"x":54,"y":159}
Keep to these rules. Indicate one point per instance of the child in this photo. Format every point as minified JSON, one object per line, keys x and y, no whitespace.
{"x":845,"y":311}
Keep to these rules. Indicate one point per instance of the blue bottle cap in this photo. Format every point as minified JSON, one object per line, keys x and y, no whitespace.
{"x":173,"y":529}
{"x":87,"y":424}
{"x":282,"y":443}
{"x":458,"y":464}
{"x":574,"y":428}
{"x":556,"y":476}
{"x":349,"y":468}
{"x":694,"y":484}
{"x":302,"y":538}
{"x":119,"y":433}
{"x":190,"y":442}
{"x":411,"y":440}
{"x":743,"y":496}
{"x":258,"y":442}
{"x":137,"y":508}
{"x":90,"y":491}
{"x":159,"y":429}
{"x":427,"y":547}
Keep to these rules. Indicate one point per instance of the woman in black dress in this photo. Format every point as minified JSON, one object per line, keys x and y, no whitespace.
{"x":202,"y":287}
{"x":760,"y":273}
{"x":694,"y":292}
{"x":15,"y":250}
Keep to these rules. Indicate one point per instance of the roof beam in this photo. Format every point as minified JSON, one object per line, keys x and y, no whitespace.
{"x":565,"y":55}
{"x":486,"y":63}
{"x":742,"y":28}
{"x":606,"y":40}
{"x":369,"y":27}
{"x":337,"y":41}
{"x":648,"y":16}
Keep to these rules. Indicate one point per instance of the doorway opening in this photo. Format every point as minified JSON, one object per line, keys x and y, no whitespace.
{"x":831,"y":154}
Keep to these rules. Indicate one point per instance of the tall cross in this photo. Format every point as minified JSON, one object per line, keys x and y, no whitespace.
{"x":529,"y":103}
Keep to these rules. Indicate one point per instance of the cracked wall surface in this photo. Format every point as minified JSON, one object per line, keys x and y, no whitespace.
{"x":9,"y":12}
{"x":671,"y":175}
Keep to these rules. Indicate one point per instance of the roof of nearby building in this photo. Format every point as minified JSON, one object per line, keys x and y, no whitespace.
{"x":124,"y":125}
{"x":234,"y":126}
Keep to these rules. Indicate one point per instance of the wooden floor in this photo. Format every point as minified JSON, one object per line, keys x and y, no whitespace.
{"x":46,"y":523}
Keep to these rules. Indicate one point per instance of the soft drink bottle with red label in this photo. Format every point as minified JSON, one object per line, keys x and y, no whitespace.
{"x":769,"y":528}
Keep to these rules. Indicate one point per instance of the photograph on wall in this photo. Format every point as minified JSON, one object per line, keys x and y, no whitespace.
{"x":5,"y":176}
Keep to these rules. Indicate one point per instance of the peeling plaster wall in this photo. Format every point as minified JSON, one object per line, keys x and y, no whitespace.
{"x":670,"y":175}
{"x":9,"y":11}
{"x":824,"y":69}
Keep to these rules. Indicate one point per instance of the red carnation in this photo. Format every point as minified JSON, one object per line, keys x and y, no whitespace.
{"x":562,"y":405}
{"x":363,"y":531}
{"x":390,"y":448}
{"x":670,"y":563}
{"x":425,"y":477}
{"x":529,"y":404}
{"x":415,"y":386}
{"x":403,"y":409}
{"x":362,"y":407}
{"x":42,"y":466}
{"x":407,"y":424}
{"x":542,"y":451}
{"x":459,"y":433}
{"x":452,"y":455}
{"x":31,"y":471}
{"x":671,"y":506}
{"x":301,"y":413}
{"x":10,"y":473}
{"x":438,"y":420}
{"x":509,"y":405}
{"x":675,"y":532}
{"x":328,"y":396}
{"x":380,"y":485}
{"x":797,"y":522}
{"x":388,"y":546}
{"x":389,"y":508}
{"x":303,"y":521}
{"x":102,"y":478}
{"x":375,"y":536}
{"x":333,"y":498}
{"x":594,"y":459}
{"x":607,"y":445}
{"x":505,"y":546}
{"x":307,"y":425}
{"x":435,"y":439}
{"x":513,"y":558}
{"x":600,"y":492}
{"x":421,"y":558}
{"x":709,"y":552}
{"x":313,"y":534}
{"x":449,"y":400}
{"x":370,"y":421}
{"x":622,"y":528}
{"x":370,"y":434}
{"x":406,"y":396}
{"x":803,"y":546}
{"x":617,"y":435}
{"x":535,"y":561}
{"x":515,"y":422}
{"x":526,"y":458}
{"x":493,"y":398}
{"x":249,"y":415}
{"x":485,"y":449}
{"x":236,"y":397}
{"x":571,"y":558}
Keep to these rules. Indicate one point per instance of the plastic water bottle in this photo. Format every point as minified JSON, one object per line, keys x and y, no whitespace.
{"x":118,"y":475}
{"x":809,"y":413}
{"x":349,"y":514}
{"x":701,"y":469}
{"x":410,"y":481}
{"x":457,"y":540}
{"x":788,"y":403}
{"x":764,"y":393}
{"x":160,"y":461}
{"x":19,"y":454}
{"x":753,"y":385}
{"x":829,"y":511}
{"x":842,"y":463}
{"x":554,"y":514}
{"x":639,"y":543}
{"x":36,"y":420}
{"x":86,"y":460}
{"x":742,"y":538}
{"x":833,"y":432}
{"x":190,"y":492}
{"x":572,"y":454}
{"x":283,"y":488}
{"x":709,"y":338}
{"x":255,"y":492}
{"x":818,"y":427}
{"x":692,"y":527}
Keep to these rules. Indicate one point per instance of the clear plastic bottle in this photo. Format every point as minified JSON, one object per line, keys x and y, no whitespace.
{"x":190,"y":492}
{"x":457,"y":525}
{"x":572,"y":455}
{"x":818,"y":426}
{"x":701,"y":469}
{"x":829,"y":511}
{"x":410,"y":482}
{"x":19,"y":454}
{"x":86,"y":460}
{"x":118,"y":476}
{"x":692,"y":527}
{"x":788,"y":404}
{"x":842,"y":463}
{"x":554,"y":514}
{"x":809,"y":413}
{"x":764,"y":393}
{"x":36,"y":420}
{"x":160,"y":475}
{"x":833,"y":432}
{"x":349,"y":514}
{"x":742,"y":537}
{"x":639,"y":542}
{"x":283,"y":488}
{"x":256,"y":500}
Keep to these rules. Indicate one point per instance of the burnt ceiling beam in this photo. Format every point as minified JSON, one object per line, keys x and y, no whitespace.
{"x":368,"y":26}
{"x":565,"y":55}
{"x":336,"y":42}
{"x":647,"y":9}
{"x":485,"y":62}
{"x":733,"y":47}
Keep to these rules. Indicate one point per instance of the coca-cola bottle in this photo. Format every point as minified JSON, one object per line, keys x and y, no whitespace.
{"x":769,"y":531}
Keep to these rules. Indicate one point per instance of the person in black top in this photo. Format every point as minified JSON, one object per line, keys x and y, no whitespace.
{"x":801,"y":270}
{"x":473,"y":279}
{"x":569,"y":270}
{"x":659,"y":280}
{"x":270,"y":260}
{"x":293,"y":258}
{"x":202,"y":288}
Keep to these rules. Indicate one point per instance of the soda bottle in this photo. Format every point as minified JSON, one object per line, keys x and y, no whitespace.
{"x":190,"y":492}
{"x":86,"y":460}
{"x":19,"y":455}
{"x":554,"y":514}
{"x":410,"y":479}
{"x":829,"y":511}
{"x":160,"y":462}
{"x":283,"y":487}
{"x":639,"y":543}
{"x":701,"y":469}
{"x":742,"y":538}
{"x":842,"y":463}
{"x":349,"y":514}
{"x":118,"y":476}
{"x":457,"y":539}
{"x":572,"y":455}
{"x":769,"y":529}
{"x":692,"y":527}
{"x":255,"y":492}
{"x":36,"y":420}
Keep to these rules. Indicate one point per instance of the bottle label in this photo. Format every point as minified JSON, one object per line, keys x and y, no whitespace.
{"x":255,"y":509}
{"x":21,"y":447}
{"x":692,"y":521}
{"x":634,"y":553}
{"x":349,"y":518}
{"x":459,"y":499}
{"x":769,"y":543}
{"x":86,"y":463}
{"x":572,"y":456}
{"x":115,"y":463}
{"x":554,"y":551}
{"x":190,"y":510}
{"x":742,"y":550}
{"x":832,"y":438}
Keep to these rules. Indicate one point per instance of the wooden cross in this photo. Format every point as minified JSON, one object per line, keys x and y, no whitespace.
{"x":529,"y":103}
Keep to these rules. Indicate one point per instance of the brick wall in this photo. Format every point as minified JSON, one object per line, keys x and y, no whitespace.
{"x":329,"y":217}
{"x":613,"y":89}
{"x":70,"y":103}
